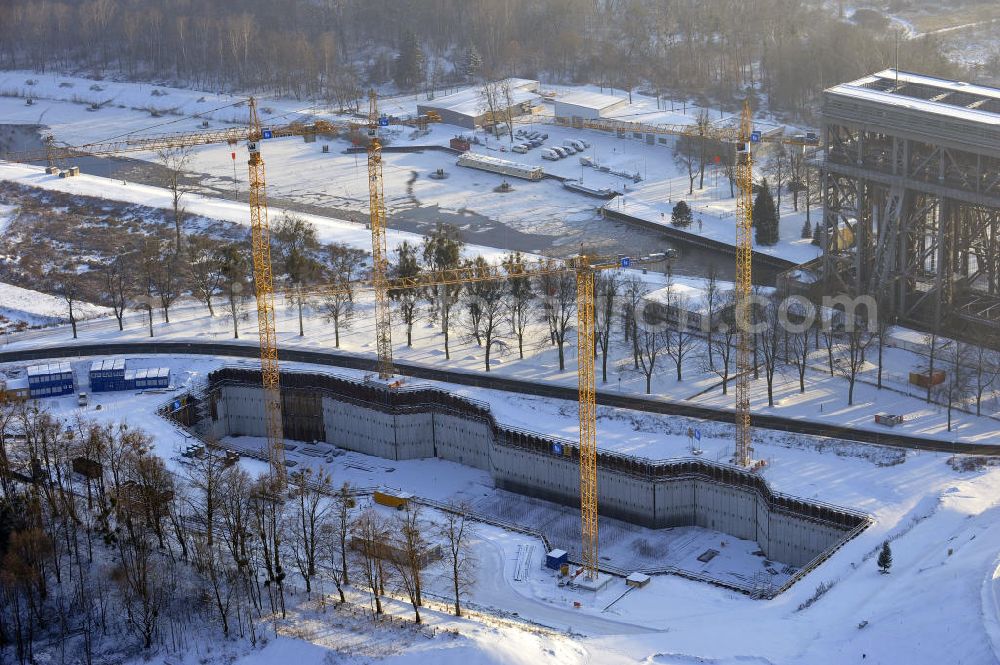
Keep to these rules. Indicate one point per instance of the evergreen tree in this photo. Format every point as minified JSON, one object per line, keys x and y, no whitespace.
{"x":765,"y":216}
{"x":472,"y":63}
{"x":885,"y":558}
{"x":807,"y":231}
{"x":681,"y":215}
{"x":816,"y":235}
{"x":409,"y":69}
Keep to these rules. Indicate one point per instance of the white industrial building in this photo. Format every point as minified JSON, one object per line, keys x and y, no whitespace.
{"x":468,"y":108}
{"x":587,"y":105}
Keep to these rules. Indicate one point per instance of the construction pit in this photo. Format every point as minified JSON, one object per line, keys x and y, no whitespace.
{"x":692,"y":517}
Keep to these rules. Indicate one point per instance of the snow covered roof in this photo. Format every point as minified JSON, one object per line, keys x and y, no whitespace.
{"x":14,"y":384}
{"x":48,"y":369}
{"x":472,"y":101}
{"x":954,"y":99}
{"x":107,"y":365}
{"x":557,"y":554}
{"x":640,"y":578}
{"x":590,"y":100}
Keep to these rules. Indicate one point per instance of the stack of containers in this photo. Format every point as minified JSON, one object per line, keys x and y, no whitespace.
{"x":50,"y":380}
{"x":107,"y":375}
{"x":141,"y":379}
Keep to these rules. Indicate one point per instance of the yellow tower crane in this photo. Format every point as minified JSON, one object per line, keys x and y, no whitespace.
{"x":260,"y":240}
{"x":380,"y":260}
{"x":252,"y":134}
{"x":743,"y":138}
{"x":744,"y":264}
{"x":584,"y":268}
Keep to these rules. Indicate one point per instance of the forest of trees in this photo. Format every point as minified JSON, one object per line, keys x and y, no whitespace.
{"x":105,"y":550}
{"x":786,"y":49}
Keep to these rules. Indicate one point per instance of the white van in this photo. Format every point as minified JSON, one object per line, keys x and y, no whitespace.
{"x":519,"y":149}
{"x":550,"y":154}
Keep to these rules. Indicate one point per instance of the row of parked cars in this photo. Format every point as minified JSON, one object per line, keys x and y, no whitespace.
{"x":531,"y":140}
{"x":569,"y":147}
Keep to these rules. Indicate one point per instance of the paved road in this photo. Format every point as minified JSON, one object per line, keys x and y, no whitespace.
{"x":364,"y":363}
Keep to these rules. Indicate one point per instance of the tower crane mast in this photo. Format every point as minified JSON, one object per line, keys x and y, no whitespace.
{"x":380,"y":260}
{"x":744,"y":262}
{"x":260,"y":239}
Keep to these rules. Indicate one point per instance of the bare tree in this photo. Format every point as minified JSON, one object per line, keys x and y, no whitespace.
{"x":295,"y":243}
{"x":558,"y":298}
{"x":606,"y":288}
{"x":687,"y":151}
{"x":168,"y":276}
{"x":958,"y":385}
{"x":407,"y":267}
{"x":204,"y":269}
{"x":633,"y":293}
{"x":857,"y":340}
{"x":458,"y":532}
{"x":146,"y":267}
{"x":234,"y":266}
{"x":310,"y":512}
{"x":713,"y":301}
{"x":442,"y":251}
{"x":652,"y":340}
{"x":338,"y":304}
{"x":408,"y":562}
{"x":117,"y":286}
{"x":770,"y":344}
{"x":175,"y":162}
{"x":986,"y":368}
{"x":486,"y":302}
{"x":522,"y":299}
{"x":67,"y":285}
{"x":679,"y":340}
{"x":369,"y":532}
{"x":933,"y":345}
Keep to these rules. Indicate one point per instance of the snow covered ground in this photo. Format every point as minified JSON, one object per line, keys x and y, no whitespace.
{"x":24,"y":307}
{"x":303,"y":173}
{"x":935,"y":606}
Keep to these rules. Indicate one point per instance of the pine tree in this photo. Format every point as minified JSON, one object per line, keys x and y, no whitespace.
{"x":409,"y":69}
{"x":765,"y":216}
{"x":807,"y":231}
{"x":681,"y":215}
{"x":472,"y":63}
{"x":885,"y":558}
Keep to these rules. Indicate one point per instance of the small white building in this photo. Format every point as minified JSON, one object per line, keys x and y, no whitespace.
{"x":587,"y":105}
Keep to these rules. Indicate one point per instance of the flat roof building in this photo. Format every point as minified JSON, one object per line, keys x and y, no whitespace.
{"x":587,"y":105}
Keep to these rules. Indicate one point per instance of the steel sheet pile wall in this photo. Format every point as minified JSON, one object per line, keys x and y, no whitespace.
{"x":415,"y":423}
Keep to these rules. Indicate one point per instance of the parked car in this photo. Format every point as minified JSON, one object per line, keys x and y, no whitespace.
{"x":519,"y":149}
{"x":559,"y":150}
{"x":580,"y":147}
{"x":550,"y":155}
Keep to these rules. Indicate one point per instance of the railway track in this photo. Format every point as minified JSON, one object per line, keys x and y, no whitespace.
{"x":633,"y":402}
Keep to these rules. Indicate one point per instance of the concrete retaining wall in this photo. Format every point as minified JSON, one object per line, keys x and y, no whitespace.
{"x":411,"y":424}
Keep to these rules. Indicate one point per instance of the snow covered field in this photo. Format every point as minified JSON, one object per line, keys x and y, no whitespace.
{"x":936,"y":605}
{"x":24,"y":307}
{"x":301,"y":172}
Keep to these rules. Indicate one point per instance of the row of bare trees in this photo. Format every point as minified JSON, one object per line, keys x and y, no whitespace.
{"x":101,"y":539}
